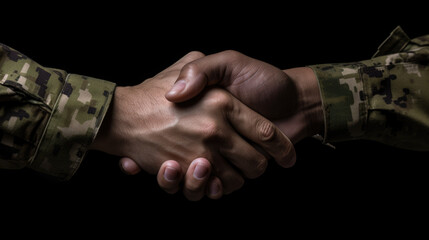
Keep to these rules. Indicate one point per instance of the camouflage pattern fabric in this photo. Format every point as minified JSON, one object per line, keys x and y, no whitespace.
{"x":385,"y":99}
{"x":48,"y":118}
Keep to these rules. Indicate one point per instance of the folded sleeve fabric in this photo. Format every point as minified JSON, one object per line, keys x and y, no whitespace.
{"x":385,"y":98}
{"x":48,"y":117}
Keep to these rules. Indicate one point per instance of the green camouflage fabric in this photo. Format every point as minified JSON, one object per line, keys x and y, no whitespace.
{"x":48,"y":118}
{"x":385,"y":98}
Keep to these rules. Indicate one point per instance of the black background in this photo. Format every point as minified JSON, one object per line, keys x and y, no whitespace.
{"x":359,"y":187}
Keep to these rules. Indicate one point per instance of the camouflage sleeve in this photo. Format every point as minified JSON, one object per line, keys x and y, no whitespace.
{"x":385,"y":99}
{"x":48,"y":118}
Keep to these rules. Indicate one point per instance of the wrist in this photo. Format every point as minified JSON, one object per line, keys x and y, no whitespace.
{"x":309,"y":106}
{"x":108,"y":137}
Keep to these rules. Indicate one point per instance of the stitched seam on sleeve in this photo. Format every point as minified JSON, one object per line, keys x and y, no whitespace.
{"x":49,"y":122}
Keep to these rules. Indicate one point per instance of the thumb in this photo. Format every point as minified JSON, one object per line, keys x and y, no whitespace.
{"x":206,"y":71}
{"x":190,"y":83}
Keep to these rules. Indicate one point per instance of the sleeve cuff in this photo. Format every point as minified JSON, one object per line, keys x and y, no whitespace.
{"x":73,"y":125}
{"x":343,"y":101}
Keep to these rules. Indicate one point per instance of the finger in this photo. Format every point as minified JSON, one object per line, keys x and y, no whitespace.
{"x":129,"y":166}
{"x":169,"y":176}
{"x":262,"y":132}
{"x":196,"y":75}
{"x":214,"y":188}
{"x":196,"y":179}
{"x":243,"y":155}
{"x":230,"y":179}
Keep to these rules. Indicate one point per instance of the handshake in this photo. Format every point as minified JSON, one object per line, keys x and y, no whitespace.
{"x":206,"y":123}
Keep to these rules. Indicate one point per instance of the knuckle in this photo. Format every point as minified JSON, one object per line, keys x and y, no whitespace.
{"x":211,"y":130}
{"x":193,"y":55}
{"x":266,"y":130}
{"x":232,"y":54}
{"x":218,"y":99}
{"x":190,"y":68}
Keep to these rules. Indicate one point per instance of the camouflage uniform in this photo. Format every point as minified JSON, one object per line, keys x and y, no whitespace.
{"x":48,"y":118}
{"x":385,"y":99}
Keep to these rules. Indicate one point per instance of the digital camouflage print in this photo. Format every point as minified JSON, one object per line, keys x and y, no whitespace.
{"x":48,"y":118}
{"x":385,"y":99}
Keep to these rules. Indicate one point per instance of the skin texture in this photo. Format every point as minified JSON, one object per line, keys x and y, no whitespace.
{"x":195,"y":185}
{"x":144,"y":126}
{"x":290,"y":98}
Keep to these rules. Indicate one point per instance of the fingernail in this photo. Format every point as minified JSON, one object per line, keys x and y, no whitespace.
{"x":200,"y":171}
{"x":214,"y":189}
{"x":170,"y":174}
{"x":177,"y":87}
